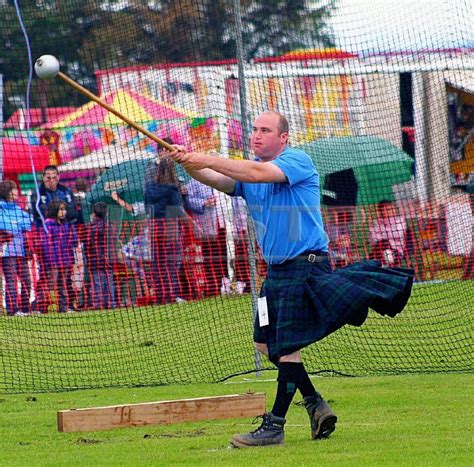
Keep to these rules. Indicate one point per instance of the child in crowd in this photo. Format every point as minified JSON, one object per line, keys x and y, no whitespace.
{"x":58,"y":240}
{"x":387,"y":235}
{"x":14,"y":223}
{"x":101,"y":243}
{"x":338,"y":229}
{"x":137,"y":256}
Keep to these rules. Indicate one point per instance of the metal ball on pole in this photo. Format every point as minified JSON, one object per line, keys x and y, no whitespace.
{"x":47,"y":67}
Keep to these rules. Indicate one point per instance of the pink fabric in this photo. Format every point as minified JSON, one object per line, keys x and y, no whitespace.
{"x":391,"y":229}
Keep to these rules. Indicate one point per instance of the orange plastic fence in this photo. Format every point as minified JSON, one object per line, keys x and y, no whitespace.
{"x":105,"y":266}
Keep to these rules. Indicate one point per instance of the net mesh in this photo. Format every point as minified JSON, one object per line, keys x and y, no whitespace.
{"x":129,"y":273}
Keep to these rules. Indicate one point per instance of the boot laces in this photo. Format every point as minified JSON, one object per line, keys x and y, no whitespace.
{"x":259,"y":419}
{"x":265,"y":424}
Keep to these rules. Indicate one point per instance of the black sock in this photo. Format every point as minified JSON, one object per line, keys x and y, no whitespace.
{"x":288,"y":377}
{"x":304,"y":384}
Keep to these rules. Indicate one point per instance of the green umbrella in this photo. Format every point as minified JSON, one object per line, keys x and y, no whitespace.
{"x":128,"y":180}
{"x":372,"y":163}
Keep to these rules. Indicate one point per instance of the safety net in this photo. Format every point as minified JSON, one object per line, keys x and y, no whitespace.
{"x":119,"y":269}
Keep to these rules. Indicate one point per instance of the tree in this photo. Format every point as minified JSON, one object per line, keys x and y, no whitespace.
{"x":191,"y":30}
{"x":88,"y":35}
{"x":54,"y":27}
{"x":273,"y":27}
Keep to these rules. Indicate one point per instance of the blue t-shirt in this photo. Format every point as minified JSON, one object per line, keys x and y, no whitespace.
{"x":287,"y":215}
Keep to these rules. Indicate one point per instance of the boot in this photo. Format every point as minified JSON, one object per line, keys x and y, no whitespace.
{"x":270,"y":432}
{"x":323,"y":419}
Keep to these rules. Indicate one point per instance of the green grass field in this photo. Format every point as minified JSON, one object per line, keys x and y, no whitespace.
{"x":392,"y":420}
{"x":421,"y":414}
{"x":209,"y":340}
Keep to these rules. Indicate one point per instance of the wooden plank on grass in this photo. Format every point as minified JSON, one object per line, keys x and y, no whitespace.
{"x":162,"y":412}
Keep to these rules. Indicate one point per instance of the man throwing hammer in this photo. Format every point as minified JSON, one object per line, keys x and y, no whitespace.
{"x":302,"y":300}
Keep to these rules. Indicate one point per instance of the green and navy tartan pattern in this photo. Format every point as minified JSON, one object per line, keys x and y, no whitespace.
{"x":308,"y":301}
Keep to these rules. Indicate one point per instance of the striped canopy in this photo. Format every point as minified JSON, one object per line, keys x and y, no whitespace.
{"x":138,"y":108}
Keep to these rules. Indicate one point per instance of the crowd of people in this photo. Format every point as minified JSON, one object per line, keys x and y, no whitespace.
{"x":54,"y":260}
{"x":303,"y":298}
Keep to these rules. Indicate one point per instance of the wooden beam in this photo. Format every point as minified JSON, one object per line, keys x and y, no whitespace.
{"x":162,"y":412}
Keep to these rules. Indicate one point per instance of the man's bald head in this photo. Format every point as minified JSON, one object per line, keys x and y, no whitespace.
{"x":283,"y":126}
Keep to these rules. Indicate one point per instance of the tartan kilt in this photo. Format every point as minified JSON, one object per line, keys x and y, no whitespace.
{"x":307,"y":301}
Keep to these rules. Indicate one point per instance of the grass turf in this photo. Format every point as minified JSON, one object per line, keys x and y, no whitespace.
{"x":206,"y":341}
{"x":389,"y":420}
{"x":383,"y":420}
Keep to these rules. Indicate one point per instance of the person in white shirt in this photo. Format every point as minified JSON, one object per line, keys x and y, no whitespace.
{"x":202,"y":202}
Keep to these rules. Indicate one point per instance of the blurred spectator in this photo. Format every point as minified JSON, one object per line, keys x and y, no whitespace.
{"x":387,"y":235}
{"x":51,"y":190}
{"x":14,"y":252}
{"x":192,"y":274}
{"x":240,"y":233}
{"x":209,"y":226}
{"x":164,"y":204}
{"x":137,"y":256}
{"x":339,"y":233}
{"x":81,"y":187}
{"x":82,"y":280}
{"x":58,"y":241}
{"x":469,"y":261}
{"x":100,"y":244}
{"x":151,"y":169}
{"x":461,"y":130}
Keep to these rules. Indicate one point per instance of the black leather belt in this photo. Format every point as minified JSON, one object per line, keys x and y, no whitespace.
{"x":312,"y":256}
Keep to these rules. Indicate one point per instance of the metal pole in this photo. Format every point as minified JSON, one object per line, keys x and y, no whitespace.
{"x":241,"y":73}
{"x":245,"y":136}
{"x":422,"y":172}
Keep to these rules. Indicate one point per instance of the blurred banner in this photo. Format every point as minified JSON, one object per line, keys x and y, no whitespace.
{"x":460,"y":107}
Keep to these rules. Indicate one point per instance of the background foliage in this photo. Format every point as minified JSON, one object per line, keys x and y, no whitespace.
{"x":269,"y":27}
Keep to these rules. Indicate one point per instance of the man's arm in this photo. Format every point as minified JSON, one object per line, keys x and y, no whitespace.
{"x":221,"y":173}
{"x":72,"y":212}
{"x":135,"y":209}
{"x":243,"y":170}
{"x":212,"y":178}
{"x":34,"y":210}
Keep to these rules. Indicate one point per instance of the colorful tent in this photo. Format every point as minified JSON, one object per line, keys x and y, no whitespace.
{"x":104,"y":158}
{"x":16,"y":157}
{"x":91,"y":127}
{"x":138,"y":108}
{"x":18,"y":119}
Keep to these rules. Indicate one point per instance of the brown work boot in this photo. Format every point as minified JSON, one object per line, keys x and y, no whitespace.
{"x":270,"y":432}
{"x":323,"y":419}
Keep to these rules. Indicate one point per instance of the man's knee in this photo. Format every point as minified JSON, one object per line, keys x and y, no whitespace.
{"x":262,"y":348}
{"x":294,"y":357}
